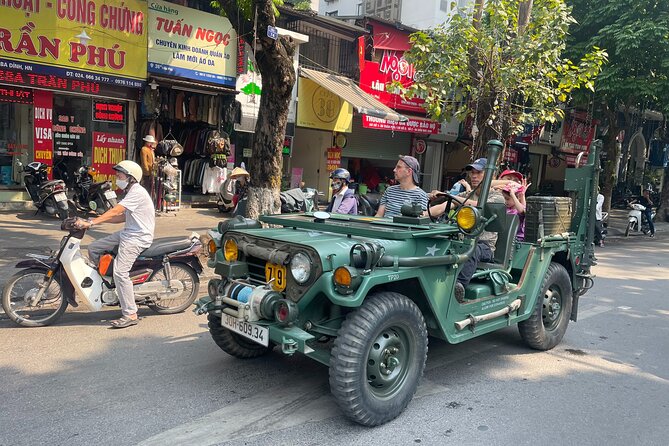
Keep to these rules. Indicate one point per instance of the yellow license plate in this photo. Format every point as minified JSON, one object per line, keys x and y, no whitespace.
{"x":278,"y":273}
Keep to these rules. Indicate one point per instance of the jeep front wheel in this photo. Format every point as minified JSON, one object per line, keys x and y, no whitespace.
{"x":548,"y":323}
{"x":232,"y":343}
{"x":378,"y":359}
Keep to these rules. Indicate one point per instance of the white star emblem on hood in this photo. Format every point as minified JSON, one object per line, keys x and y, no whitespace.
{"x":432,"y":250}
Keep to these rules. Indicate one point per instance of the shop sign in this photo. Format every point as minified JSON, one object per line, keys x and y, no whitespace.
{"x":14,"y":94}
{"x":333,"y":158}
{"x":42,"y":127}
{"x":67,"y":134}
{"x":296,"y":177}
{"x":192,"y":44}
{"x":105,"y":111}
{"x":109,"y":149}
{"x":423,"y":126}
{"x":85,"y":40}
{"x":247,"y":153}
{"x":510,"y":155}
{"x":375,"y":78}
{"x":54,"y":82}
{"x":577,"y":136}
{"x":551,"y":133}
{"x":319,"y":108}
{"x":421,"y":147}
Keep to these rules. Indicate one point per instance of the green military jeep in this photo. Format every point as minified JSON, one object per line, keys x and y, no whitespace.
{"x":362,"y":294}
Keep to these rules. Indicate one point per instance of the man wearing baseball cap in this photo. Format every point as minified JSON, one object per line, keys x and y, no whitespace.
{"x":485,"y":245}
{"x":407,"y":174}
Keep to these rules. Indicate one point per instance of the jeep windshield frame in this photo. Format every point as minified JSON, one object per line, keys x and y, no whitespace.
{"x":371,"y":227}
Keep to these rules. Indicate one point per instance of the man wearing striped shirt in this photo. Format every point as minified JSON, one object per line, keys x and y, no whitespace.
{"x":407,"y":174}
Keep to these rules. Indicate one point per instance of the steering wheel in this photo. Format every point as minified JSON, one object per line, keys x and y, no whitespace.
{"x":439,"y":199}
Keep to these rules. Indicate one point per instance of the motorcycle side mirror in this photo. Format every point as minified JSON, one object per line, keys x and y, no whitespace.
{"x":320,"y":216}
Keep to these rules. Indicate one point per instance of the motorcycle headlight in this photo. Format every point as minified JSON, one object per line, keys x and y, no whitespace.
{"x":300,"y":267}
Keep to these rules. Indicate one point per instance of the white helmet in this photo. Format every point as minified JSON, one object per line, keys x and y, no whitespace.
{"x":130,"y":168}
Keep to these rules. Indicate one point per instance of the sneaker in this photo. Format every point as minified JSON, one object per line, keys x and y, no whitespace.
{"x":459,"y":292}
{"x":652,"y":235}
{"x":601,"y":244}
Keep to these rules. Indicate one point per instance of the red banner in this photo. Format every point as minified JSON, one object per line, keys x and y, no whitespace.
{"x":109,"y":149}
{"x":43,"y":127}
{"x":334,"y":158}
{"x":411,"y":126}
{"x":577,"y":136}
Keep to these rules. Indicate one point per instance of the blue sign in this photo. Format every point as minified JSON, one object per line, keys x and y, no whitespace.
{"x":272,"y":32}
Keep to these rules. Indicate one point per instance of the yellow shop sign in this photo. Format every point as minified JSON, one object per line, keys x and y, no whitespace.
{"x":318,"y":108}
{"x":76,"y":38}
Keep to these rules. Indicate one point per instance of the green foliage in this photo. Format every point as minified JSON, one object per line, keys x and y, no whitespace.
{"x":303,"y":5}
{"x":499,"y":75}
{"x":636,"y":35}
{"x":246,"y":7}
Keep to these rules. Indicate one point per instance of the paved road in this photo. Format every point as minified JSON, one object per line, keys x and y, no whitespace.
{"x":164,"y":382}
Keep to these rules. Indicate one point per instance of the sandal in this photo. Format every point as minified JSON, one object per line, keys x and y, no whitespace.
{"x":123,"y":322}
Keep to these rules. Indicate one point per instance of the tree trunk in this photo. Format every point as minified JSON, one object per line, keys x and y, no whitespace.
{"x":274,"y":59}
{"x":609,"y":172}
{"x":663,"y":211}
{"x":524,"y":14}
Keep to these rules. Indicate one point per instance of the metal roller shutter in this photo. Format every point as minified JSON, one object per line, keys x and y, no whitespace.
{"x":375,"y":144}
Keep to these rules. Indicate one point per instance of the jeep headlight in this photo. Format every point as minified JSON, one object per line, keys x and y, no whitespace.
{"x":300,"y":267}
{"x":467,"y":218}
{"x":230,"y":251}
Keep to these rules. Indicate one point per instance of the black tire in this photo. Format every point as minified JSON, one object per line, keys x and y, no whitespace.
{"x":548,"y":323}
{"x":177,"y":304}
{"x":232,"y":343}
{"x":387,"y":328}
{"x":53,"y":297}
{"x":628,"y":228}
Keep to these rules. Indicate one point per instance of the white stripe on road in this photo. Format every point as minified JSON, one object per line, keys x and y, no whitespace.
{"x":285,"y":406}
{"x":593,"y":311}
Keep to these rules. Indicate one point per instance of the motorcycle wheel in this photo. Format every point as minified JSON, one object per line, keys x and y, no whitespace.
{"x":628,"y":228}
{"x":177,"y":304}
{"x":20,"y":286}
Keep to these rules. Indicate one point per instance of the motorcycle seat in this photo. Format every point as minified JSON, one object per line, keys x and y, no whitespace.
{"x":164,"y":246}
{"x":51,"y":183}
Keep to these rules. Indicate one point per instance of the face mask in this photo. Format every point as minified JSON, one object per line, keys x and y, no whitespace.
{"x":122,"y":184}
{"x":336,"y":185}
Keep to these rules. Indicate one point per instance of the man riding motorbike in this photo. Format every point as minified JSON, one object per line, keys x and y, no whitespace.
{"x":343,"y":199}
{"x":136,"y":210}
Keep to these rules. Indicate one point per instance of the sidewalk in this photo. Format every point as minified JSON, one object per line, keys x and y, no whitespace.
{"x":23,"y":232}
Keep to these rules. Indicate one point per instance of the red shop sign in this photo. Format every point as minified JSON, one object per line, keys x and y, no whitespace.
{"x":334,"y":158}
{"x":423,"y":126}
{"x":15,"y":94}
{"x":376,"y":77}
{"x":577,"y":136}
{"x":109,"y":149}
{"x":43,"y":127}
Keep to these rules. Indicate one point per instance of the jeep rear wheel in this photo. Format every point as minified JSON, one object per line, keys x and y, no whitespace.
{"x":548,"y":323}
{"x":378,"y":359}
{"x":232,"y":343}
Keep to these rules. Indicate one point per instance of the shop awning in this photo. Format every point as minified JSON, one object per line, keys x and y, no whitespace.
{"x":346,"y":89}
{"x":196,"y":87}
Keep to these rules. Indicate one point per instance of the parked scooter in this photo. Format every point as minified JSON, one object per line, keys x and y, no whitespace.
{"x":90,"y":196}
{"x":299,"y":200}
{"x":49,"y":196}
{"x":165,"y":278}
{"x":636,"y":221}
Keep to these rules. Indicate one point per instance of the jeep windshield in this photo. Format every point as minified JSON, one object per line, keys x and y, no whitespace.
{"x":361,"y":226}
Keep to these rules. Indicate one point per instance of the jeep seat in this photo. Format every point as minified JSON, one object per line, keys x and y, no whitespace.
{"x":506,"y":227}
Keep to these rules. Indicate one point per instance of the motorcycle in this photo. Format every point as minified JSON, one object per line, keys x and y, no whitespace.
{"x":636,"y":221}
{"x":367,"y":205}
{"x":165,"y":277}
{"x":90,"y":196}
{"x":299,"y":200}
{"x":49,"y":196}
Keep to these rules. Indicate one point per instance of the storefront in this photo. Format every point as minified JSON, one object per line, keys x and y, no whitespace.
{"x":382,"y":62}
{"x":330,"y":135}
{"x":67,"y":97}
{"x":190,"y":96}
